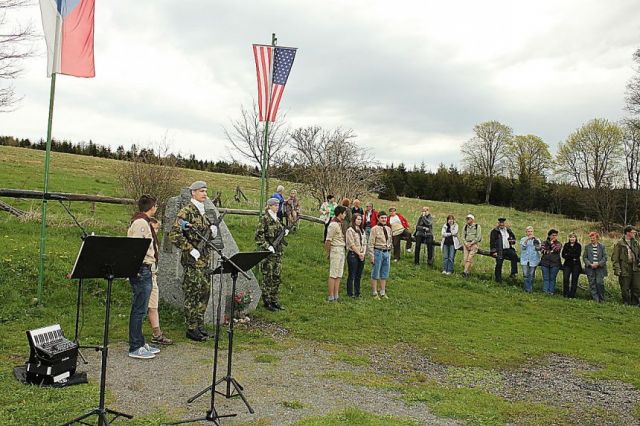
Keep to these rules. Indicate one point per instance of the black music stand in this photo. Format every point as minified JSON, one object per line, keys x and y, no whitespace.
{"x":238,"y":262}
{"x":108,"y":258}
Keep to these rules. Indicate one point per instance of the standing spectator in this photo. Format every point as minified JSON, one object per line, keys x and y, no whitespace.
{"x":595,"y":264}
{"x":399,"y":231}
{"x":278,"y":195}
{"x":292,"y":209}
{"x":550,"y":262}
{"x":529,"y":257}
{"x":152,"y":311}
{"x":424,"y":234}
{"x":450,"y":243}
{"x":334,"y":248}
{"x":327,"y":213}
{"x":379,"y":247}
{"x":625,"y":258}
{"x":572,"y":266}
{"x":501,"y":242}
{"x":356,"y":248}
{"x":267,"y":231}
{"x":141,"y":283}
{"x":471,"y":237}
{"x":357,"y":208}
{"x":346,"y":203}
{"x":370,"y":219}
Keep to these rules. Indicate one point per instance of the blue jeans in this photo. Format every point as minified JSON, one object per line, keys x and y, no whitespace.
{"x":549,"y":274}
{"x":529,"y":273}
{"x":448,"y":255}
{"x":381,"y":264}
{"x":140,"y":291}
{"x":356,"y":266}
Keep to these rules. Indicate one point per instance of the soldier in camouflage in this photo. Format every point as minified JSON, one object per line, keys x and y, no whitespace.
{"x":196,"y":256}
{"x":267,"y":234}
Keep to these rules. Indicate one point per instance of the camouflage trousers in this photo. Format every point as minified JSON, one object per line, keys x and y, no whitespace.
{"x":270,"y":269}
{"x":196,"y":289}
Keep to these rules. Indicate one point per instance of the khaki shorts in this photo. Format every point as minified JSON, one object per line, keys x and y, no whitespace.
{"x":153,"y":298}
{"x":470,"y":253}
{"x":336,"y":262}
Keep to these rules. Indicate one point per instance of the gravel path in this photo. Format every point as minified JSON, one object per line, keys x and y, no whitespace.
{"x":285,"y":385}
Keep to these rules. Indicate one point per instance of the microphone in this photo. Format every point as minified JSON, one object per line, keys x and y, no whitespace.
{"x":184,"y":225}
{"x":50,"y":196}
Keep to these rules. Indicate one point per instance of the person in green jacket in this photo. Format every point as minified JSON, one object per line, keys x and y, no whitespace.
{"x":625,"y":258}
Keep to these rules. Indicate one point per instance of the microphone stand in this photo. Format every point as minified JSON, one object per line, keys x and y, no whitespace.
{"x":212,"y":414}
{"x":83,"y":236}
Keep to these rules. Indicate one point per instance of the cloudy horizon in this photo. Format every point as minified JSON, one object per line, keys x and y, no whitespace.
{"x":410,"y":81}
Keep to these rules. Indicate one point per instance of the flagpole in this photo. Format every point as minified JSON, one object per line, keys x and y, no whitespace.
{"x":47,"y":155}
{"x":265,"y":150}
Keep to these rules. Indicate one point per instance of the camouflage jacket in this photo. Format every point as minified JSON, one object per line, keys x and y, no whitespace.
{"x":623,"y":265}
{"x":187,"y":240}
{"x":267,"y":231}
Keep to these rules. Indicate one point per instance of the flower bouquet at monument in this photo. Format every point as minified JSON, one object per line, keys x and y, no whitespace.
{"x":242,"y":301}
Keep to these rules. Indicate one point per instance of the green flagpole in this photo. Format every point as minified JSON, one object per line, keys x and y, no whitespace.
{"x":47,"y":155}
{"x":265,"y":151}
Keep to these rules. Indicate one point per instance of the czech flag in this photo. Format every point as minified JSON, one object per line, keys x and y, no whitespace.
{"x":68,"y":31}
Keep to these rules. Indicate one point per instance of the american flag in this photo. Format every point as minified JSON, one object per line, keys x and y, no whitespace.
{"x":273,"y":65}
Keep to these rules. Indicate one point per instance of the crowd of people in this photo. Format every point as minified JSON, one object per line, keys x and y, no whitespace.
{"x":378,"y":235}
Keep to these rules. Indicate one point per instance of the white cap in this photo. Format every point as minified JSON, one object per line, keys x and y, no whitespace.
{"x":470,"y":216}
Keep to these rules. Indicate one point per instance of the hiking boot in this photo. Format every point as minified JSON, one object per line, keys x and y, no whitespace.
{"x":203,"y":332}
{"x":270,"y":307}
{"x":194,"y":334}
{"x":278,"y":306}
{"x":141,"y":353}
{"x":161,"y":340}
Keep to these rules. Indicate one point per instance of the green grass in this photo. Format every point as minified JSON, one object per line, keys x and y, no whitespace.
{"x":471,"y":326}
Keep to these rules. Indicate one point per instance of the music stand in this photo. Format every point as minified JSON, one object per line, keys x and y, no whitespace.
{"x":108,"y":258}
{"x":238,"y":262}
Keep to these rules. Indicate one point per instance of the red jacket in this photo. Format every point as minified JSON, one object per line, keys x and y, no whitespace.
{"x":374,"y":218}
{"x":403,"y":221}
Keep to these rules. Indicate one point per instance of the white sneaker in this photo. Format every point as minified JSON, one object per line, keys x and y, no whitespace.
{"x":151,"y":349}
{"x":444,"y":272}
{"x":141,"y":353}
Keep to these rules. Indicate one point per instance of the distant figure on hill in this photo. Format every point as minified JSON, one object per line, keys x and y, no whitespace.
{"x":501,"y":242}
{"x":595,"y":265}
{"x":626,"y":266}
{"x":278,"y":195}
{"x":550,"y":262}
{"x":400,"y":231}
{"x":471,"y":237}
{"x":529,"y":257}
{"x":424,"y":235}
{"x":450,"y":244}
{"x":370,"y":219}
{"x":572,"y":267}
{"x":379,"y":249}
{"x":346,"y":203}
{"x":357,"y":208}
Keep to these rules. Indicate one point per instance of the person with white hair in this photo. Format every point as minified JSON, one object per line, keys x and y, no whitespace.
{"x":278,"y":195}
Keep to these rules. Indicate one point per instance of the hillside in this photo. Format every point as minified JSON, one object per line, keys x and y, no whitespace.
{"x":451,"y":344}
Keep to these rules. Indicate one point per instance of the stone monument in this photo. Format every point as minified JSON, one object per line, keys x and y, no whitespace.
{"x":170,"y":269}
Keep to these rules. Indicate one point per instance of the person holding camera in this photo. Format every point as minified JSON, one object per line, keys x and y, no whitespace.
{"x":626,"y":266}
{"x":424,"y":234}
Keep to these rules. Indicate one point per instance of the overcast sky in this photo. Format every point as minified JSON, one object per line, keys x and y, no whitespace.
{"x":410,"y":78}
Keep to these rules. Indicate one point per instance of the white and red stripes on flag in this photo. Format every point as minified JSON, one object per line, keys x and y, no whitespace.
{"x":273,"y":65}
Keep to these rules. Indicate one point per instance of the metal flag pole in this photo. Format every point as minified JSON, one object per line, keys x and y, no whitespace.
{"x":43,"y":223}
{"x":265,"y":150}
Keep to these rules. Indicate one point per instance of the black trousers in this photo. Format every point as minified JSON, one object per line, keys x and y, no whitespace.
{"x":406,"y":235}
{"x":511,"y":255}
{"x":426,"y":240}
{"x":570,"y":275}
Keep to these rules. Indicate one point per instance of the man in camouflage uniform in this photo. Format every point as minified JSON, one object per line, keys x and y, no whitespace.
{"x":626,"y":266}
{"x":195,"y":258}
{"x":266,"y":234}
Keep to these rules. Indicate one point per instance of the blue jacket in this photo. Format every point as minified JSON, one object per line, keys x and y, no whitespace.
{"x":530,"y":251}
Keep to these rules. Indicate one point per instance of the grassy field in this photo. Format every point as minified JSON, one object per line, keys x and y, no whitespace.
{"x":459,"y":323}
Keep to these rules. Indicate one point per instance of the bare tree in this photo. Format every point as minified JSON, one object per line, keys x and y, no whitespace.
{"x":485,"y":153}
{"x":246,"y":136}
{"x":15,"y":46}
{"x":631,"y":146}
{"x":151,"y":171}
{"x":590,"y":159}
{"x":330,"y":162}
{"x":632,"y":95}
